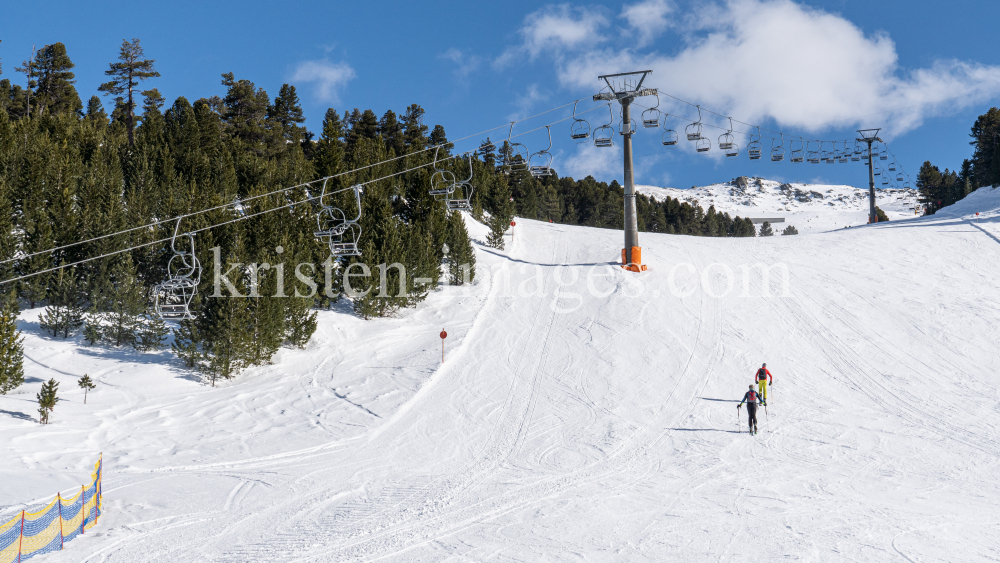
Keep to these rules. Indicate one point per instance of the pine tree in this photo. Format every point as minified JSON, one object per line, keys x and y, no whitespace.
{"x":882,"y":217}
{"x":462,"y":259}
{"x":501,"y":210}
{"x":47,"y":400}
{"x":287,"y":112}
{"x":766,"y":230}
{"x":11,"y":347}
{"x":151,"y":334}
{"x":124,"y":304}
{"x":87,"y":384}
{"x":95,"y":111}
{"x":330,"y":147}
{"x":187,"y":343}
{"x":790,"y":230}
{"x":126,"y":75}
{"x":55,"y":91}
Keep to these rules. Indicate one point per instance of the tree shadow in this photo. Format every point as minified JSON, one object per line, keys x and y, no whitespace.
{"x":719,"y":400}
{"x":18,"y":415}
{"x":495,"y":253}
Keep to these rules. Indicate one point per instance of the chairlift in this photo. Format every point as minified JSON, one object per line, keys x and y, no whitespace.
{"x":845,"y":156}
{"x":443,"y":181}
{"x":733,"y":150}
{"x":824,"y":154}
{"x":173,"y":296}
{"x":856,"y":155}
{"x":797,"y":154}
{"x":464,"y":190}
{"x":333,"y":227}
{"x":899,"y":177}
{"x":892,"y":165}
{"x":581,"y":127}
{"x":540,"y":163}
{"x":885,"y":180}
{"x":517,"y":156}
{"x":651,"y":117}
{"x":884,"y":153}
{"x":604,"y":135}
{"x":754,"y":147}
{"x":726,"y":139}
{"x":813,"y":156}
{"x":778,"y":152}
{"x":703,"y":145}
{"x":693,"y":130}
{"x":669,"y":136}
{"x":906,"y":185}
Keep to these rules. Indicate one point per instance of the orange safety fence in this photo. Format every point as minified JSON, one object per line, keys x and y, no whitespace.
{"x":48,"y":529}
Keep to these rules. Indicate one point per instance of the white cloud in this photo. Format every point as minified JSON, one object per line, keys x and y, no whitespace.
{"x":525,"y":102}
{"x":464,"y":63}
{"x":648,"y":18}
{"x":329,"y":78}
{"x":553,"y":30}
{"x":588,"y":160}
{"x":802,"y":67}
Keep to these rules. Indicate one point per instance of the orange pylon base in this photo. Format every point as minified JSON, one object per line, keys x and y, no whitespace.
{"x":636,"y":265}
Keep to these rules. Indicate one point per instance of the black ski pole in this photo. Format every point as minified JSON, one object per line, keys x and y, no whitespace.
{"x":738,"y":428}
{"x":766,"y":419}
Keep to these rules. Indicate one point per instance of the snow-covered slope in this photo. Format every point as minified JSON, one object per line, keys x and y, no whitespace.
{"x":582,"y":413}
{"x":809,"y":207}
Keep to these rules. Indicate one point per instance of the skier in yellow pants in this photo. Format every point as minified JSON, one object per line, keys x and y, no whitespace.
{"x":762,"y":380}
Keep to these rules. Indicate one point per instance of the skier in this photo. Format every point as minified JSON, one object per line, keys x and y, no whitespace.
{"x":752,"y":399}
{"x":762,"y":380}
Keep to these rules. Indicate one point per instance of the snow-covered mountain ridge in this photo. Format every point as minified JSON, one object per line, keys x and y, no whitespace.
{"x":809,"y":207}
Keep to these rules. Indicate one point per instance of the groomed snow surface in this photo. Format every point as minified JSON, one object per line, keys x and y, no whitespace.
{"x":583,"y":413}
{"x":810,"y":208}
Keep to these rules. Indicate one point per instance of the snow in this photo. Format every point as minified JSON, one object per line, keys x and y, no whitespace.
{"x":809,"y":207}
{"x":582,"y":413}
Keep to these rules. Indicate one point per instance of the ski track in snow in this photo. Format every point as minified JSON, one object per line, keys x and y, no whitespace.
{"x":569,"y":427}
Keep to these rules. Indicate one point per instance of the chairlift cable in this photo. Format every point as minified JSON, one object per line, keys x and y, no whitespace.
{"x":244,"y":217}
{"x":241,"y":201}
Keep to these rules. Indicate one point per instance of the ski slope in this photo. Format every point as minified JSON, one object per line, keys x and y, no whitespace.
{"x":582,"y":413}
{"x":809,"y":207}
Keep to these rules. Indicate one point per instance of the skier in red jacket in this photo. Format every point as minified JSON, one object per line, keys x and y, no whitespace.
{"x":763,"y":379}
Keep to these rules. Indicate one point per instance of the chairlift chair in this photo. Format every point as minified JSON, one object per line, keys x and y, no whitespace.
{"x":733,"y":150}
{"x":340,"y":234}
{"x":580,"y":129}
{"x":442,"y":181}
{"x":884,"y":153}
{"x":856,"y":155}
{"x":540,"y":163}
{"x":845,"y":156}
{"x":604,"y":135}
{"x":797,"y":154}
{"x":726,"y":139}
{"x":813,"y":156}
{"x":754,"y":147}
{"x":651,"y":117}
{"x":173,"y":296}
{"x":464,"y":191}
{"x":899,"y":177}
{"x":778,"y":152}
{"x":516,"y":158}
{"x":669,"y":138}
{"x":892,"y":165}
{"x":885,"y":180}
{"x":703,"y":145}
{"x":693,"y":130}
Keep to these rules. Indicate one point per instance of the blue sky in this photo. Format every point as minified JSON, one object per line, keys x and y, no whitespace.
{"x":921,"y":70}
